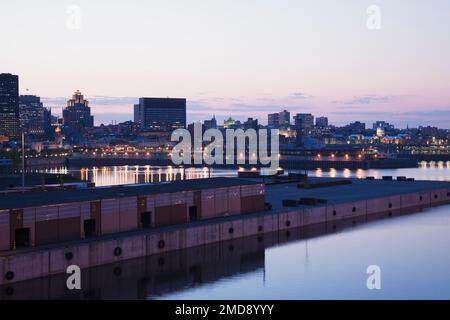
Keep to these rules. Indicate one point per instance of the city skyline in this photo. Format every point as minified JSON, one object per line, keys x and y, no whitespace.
{"x":58,"y":104}
{"x":227,"y":60}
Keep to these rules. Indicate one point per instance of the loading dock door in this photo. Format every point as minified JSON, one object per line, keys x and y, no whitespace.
{"x":89,"y":228}
{"x":146,"y":219}
{"x":193,"y":213}
{"x":22,"y":237}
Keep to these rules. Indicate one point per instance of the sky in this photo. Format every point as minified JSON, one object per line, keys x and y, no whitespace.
{"x":235,"y":58}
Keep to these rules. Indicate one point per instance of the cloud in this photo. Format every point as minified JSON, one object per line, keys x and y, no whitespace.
{"x":300,"y":95}
{"x":106,"y":100}
{"x":93,"y":100}
{"x":366,"y":99}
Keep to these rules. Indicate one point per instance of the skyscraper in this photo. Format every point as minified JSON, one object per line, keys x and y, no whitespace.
{"x":34,"y":118}
{"x":77,"y":115}
{"x":304,"y":123}
{"x":279,"y":119}
{"x":9,"y":105}
{"x":160,"y":114}
{"x":210,"y":124}
{"x":321,"y":122}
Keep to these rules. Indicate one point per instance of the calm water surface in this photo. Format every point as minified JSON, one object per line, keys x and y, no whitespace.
{"x":412,"y":252}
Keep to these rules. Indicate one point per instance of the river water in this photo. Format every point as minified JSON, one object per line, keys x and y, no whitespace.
{"x":106,"y":176}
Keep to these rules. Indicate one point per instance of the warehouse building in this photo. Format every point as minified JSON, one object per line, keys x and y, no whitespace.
{"x":39,"y":218}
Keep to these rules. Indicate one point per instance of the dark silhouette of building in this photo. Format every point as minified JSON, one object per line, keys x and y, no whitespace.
{"x":251,"y":124}
{"x":356,"y":127}
{"x":34,"y":118}
{"x":304,"y":123}
{"x":160,"y":114}
{"x":210,"y":124}
{"x":321,"y":122}
{"x":9,"y":105}
{"x":279,"y":119}
{"x":77,"y":115}
{"x":386,"y":126}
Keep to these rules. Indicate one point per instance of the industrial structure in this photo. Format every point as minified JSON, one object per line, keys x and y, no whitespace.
{"x":42,"y":233}
{"x":40,"y":218}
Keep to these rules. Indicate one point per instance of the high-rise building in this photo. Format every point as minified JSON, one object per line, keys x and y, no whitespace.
{"x":210,"y":124}
{"x":9,"y":105}
{"x":34,"y":118}
{"x":304,"y":123}
{"x":160,"y":114}
{"x":321,"y":122}
{"x":77,"y":115}
{"x":285,"y":118}
{"x":273,"y":120}
{"x":251,"y":124}
{"x":356,"y":127}
{"x":383,"y":125}
{"x":279,"y":119}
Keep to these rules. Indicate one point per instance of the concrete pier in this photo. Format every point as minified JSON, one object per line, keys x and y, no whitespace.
{"x":361,"y":200}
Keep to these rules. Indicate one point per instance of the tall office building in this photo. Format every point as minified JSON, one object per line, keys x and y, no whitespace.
{"x":321,"y":122}
{"x":160,"y":114}
{"x":356,"y":127}
{"x":9,"y":105}
{"x":77,"y":115}
{"x":386,"y":126}
{"x":251,"y":124}
{"x":279,"y":119}
{"x":304,"y":123}
{"x":210,"y":124}
{"x":34,"y":118}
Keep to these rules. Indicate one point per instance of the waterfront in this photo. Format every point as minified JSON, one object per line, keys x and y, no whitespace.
{"x":309,"y":263}
{"x":412,"y":252}
{"x":306,"y":263}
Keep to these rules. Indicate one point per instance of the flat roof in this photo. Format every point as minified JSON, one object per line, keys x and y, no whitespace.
{"x":44,"y":198}
{"x":358,"y":190}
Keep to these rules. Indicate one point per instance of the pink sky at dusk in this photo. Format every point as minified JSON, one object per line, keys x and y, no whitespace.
{"x":240,"y":59}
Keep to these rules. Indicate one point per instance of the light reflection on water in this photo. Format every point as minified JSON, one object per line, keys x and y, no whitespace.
{"x":147,"y":174}
{"x":424,"y":172}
